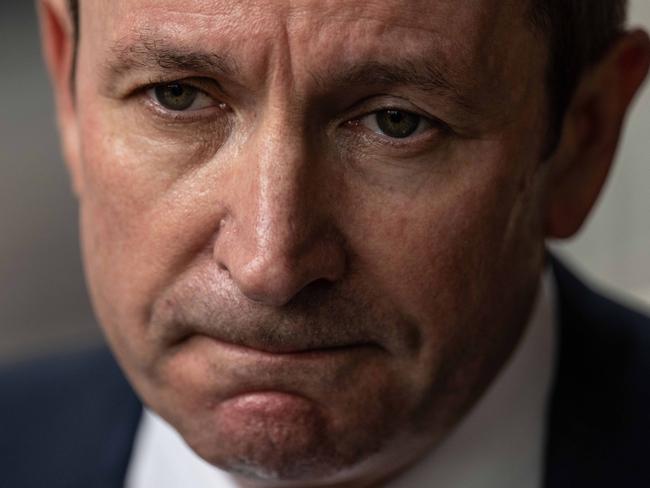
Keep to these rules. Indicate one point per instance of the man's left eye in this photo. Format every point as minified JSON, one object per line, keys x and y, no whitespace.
{"x":180,"y":97}
{"x":396,"y":124}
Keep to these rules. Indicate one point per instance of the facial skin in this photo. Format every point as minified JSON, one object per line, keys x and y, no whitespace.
{"x":306,"y":299}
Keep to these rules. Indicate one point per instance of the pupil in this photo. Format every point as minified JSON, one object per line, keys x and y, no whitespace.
{"x":397,"y":124}
{"x":176,"y":96}
{"x":395,"y":117}
{"x":176,"y":90}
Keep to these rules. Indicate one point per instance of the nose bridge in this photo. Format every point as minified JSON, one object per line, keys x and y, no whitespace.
{"x":277,"y":240}
{"x":283,"y":214}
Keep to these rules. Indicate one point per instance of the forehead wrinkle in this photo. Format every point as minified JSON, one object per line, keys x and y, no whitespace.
{"x":380,"y":48}
{"x":409,"y":14}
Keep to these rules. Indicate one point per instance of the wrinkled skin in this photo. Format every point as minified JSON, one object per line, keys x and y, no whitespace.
{"x":303,"y":297}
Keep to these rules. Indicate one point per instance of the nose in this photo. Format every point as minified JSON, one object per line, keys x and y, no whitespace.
{"x":277,"y":238}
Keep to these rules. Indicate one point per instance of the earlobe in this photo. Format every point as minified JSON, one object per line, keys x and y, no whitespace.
{"x":58,"y":48}
{"x":591,"y":132}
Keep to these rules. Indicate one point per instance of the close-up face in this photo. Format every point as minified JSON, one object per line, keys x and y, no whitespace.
{"x":312,"y":230}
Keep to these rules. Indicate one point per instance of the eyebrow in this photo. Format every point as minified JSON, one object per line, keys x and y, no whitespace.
{"x":157,"y":54}
{"x":424,"y":75}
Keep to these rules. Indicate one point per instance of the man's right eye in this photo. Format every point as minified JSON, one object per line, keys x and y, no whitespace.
{"x":180,"y":97}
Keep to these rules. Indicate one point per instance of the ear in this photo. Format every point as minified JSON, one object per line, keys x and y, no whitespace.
{"x":591,"y":133}
{"x":58,"y":45}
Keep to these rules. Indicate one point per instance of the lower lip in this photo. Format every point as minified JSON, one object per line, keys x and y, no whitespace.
{"x":265,"y":401}
{"x":267,"y":405}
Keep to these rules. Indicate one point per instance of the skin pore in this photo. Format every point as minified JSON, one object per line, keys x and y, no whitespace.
{"x":307,"y":295}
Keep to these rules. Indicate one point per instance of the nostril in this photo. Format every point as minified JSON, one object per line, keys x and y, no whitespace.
{"x":274,"y":267}
{"x":319,"y":285}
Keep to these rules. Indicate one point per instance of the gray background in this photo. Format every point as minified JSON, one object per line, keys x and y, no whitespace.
{"x":43,"y":302}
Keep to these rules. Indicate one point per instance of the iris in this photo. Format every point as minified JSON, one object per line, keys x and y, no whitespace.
{"x":397,"y":123}
{"x":176,"y":96}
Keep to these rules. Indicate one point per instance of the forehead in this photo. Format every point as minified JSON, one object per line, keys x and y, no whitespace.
{"x":452,"y":28}
{"x":476,"y":46}
{"x":429,"y":15}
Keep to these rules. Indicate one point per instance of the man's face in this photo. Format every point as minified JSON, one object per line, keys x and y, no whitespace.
{"x":312,"y":229}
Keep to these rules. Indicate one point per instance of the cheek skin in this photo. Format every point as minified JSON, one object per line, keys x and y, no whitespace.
{"x":457,"y":256}
{"x":134,"y":194}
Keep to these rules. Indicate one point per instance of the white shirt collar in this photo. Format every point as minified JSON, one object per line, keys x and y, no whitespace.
{"x":499,"y":444}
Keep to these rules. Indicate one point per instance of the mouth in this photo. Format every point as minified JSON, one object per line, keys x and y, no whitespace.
{"x":280,"y":349}
{"x":215,"y":368}
{"x":271,"y":338}
{"x":229,"y":369}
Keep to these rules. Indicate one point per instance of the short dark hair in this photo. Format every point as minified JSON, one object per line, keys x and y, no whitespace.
{"x":578,"y":33}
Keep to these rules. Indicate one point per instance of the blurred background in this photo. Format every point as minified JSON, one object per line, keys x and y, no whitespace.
{"x":43,"y":303}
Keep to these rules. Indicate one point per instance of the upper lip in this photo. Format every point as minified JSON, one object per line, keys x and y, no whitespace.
{"x":259,"y":339}
{"x":293,"y":331}
{"x":281,"y":347}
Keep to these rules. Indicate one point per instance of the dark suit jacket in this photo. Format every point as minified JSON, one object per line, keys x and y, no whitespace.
{"x":71,"y":422}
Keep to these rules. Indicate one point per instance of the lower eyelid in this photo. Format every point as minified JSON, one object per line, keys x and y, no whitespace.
{"x":202,"y":116}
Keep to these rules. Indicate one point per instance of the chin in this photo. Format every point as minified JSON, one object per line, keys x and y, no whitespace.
{"x":280,"y":438}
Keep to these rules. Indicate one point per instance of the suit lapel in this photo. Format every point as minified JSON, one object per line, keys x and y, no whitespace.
{"x":597,"y":414}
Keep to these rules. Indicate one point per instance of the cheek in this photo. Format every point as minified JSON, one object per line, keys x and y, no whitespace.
{"x":438,"y":238}
{"x":441,"y":257}
{"x":140,"y":193}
